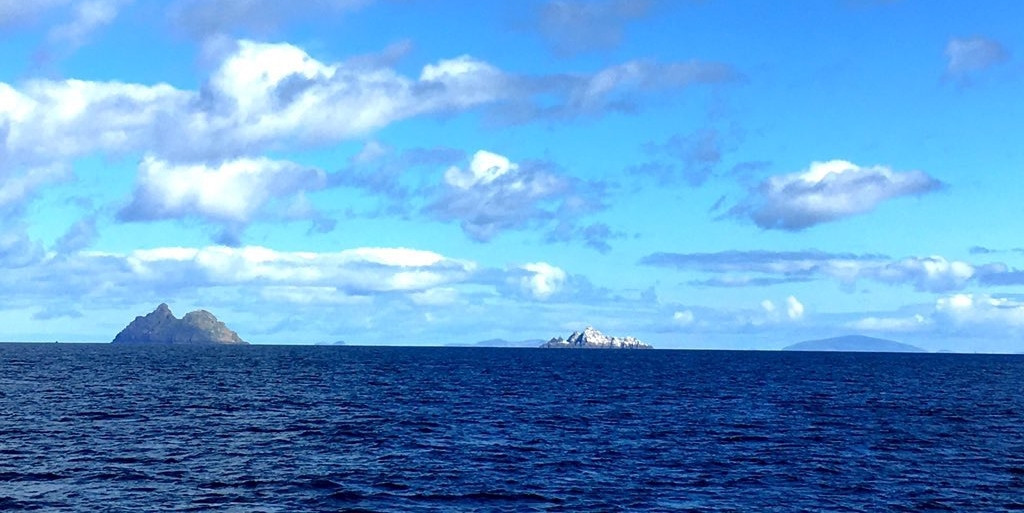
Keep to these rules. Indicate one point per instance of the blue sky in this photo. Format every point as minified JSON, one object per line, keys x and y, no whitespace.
{"x":706,"y":174}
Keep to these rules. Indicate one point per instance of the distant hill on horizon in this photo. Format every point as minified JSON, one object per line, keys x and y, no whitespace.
{"x":854,"y":343}
{"x":500,"y":342}
{"x":335,"y":343}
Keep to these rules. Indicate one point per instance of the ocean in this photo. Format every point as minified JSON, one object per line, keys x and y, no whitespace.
{"x":90,"y":427}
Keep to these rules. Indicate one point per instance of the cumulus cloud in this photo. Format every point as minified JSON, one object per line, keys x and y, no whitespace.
{"x":966,"y":56}
{"x":486,"y":196}
{"x":976,"y":315}
{"x":772,"y":313}
{"x":49,"y":120}
{"x":828,"y":191}
{"x":794,"y":308}
{"x":263,"y":97}
{"x":230,"y":193}
{"x":981,"y":310}
{"x":541,"y":279}
{"x":571,"y":27}
{"x":761,"y":268}
{"x":683,"y":317}
{"x":266,"y":93}
{"x":275,"y":95}
{"x":485,"y":168}
{"x":494,"y":194}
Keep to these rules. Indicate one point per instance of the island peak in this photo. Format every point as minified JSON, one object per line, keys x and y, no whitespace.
{"x":160,"y":326}
{"x":591,"y":338}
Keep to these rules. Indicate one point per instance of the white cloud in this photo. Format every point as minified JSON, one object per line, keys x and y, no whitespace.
{"x":231,"y":192}
{"x":49,"y":120}
{"x":794,"y":308}
{"x":891,"y":324}
{"x":200,"y":146}
{"x":484,"y":168}
{"x":969,"y":55}
{"x":359,"y":271}
{"x":495,"y":194}
{"x":976,"y":315}
{"x":981,"y":310}
{"x":933,"y":273}
{"x":275,"y":95}
{"x":261,"y":95}
{"x":828,"y":191}
{"x":772,"y":313}
{"x":683,"y":317}
{"x":542,"y":280}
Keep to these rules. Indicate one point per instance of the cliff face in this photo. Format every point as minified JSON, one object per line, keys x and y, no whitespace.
{"x":590,"y":338}
{"x":161,"y":327}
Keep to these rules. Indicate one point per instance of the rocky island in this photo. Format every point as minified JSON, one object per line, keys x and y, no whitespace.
{"x":161,"y":327}
{"x":590,"y":338}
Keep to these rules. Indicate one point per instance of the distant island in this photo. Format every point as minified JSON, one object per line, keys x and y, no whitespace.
{"x":854,"y":343}
{"x":335,"y":343}
{"x":161,"y":327}
{"x":500,"y":342}
{"x":590,"y":338}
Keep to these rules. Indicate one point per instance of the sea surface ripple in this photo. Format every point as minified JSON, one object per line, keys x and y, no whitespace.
{"x":283,"y":429}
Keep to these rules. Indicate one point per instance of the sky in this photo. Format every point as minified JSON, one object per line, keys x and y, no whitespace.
{"x":699,"y":174}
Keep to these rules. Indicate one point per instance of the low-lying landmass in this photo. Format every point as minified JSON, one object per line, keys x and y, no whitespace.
{"x":500,"y":342}
{"x":854,"y":343}
{"x":161,"y":327}
{"x":590,"y":338}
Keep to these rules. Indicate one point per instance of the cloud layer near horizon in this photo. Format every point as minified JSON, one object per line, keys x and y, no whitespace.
{"x":760,"y":268}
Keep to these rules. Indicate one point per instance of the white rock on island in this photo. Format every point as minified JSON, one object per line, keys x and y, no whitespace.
{"x":591,"y":338}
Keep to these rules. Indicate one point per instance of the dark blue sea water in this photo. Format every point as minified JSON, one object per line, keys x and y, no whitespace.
{"x":262,"y":428}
